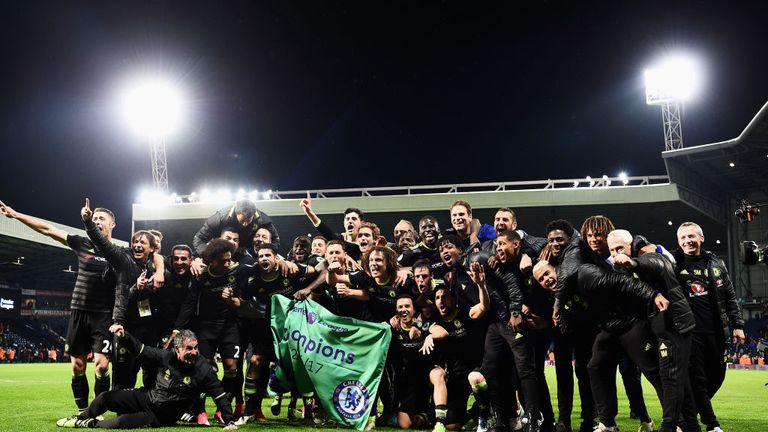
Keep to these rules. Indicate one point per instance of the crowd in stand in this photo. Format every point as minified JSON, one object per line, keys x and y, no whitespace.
{"x":18,"y":349}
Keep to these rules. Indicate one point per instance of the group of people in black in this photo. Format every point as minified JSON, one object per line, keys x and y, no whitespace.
{"x":469,"y":317}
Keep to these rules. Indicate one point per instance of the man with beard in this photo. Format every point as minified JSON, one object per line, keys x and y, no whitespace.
{"x":619,"y":304}
{"x":92,"y":302}
{"x":211,"y":307}
{"x":572,"y":345}
{"x":505,"y":219}
{"x":672,"y":327}
{"x":457,"y":346}
{"x":244,"y":216}
{"x":704,"y":278}
{"x":353,"y":217}
{"x":509,"y":338}
{"x":265,"y":280}
{"x":411,"y":367}
{"x":182,"y":376}
{"x":175,"y":289}
{"x":133,"y":303}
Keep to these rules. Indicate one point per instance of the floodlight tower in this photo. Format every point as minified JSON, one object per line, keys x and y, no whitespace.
{"x":154,"y":108}
{"x":670,"y":84}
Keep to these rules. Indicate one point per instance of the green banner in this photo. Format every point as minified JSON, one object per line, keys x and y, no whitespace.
{"x":340,"y":359}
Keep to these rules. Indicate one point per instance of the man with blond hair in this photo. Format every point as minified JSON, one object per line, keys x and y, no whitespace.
{"x":705,"y":282}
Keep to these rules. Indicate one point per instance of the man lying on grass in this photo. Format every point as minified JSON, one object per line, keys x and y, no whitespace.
{"x":182,"y":376}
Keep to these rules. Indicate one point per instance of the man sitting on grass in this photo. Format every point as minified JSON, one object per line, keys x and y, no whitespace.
{"x":182,"y":376}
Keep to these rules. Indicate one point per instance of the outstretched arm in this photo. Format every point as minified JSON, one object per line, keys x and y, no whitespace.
{"x":38,"y":225}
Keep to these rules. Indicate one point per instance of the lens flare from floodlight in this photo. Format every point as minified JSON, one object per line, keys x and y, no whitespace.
{"x":674,"y":79}
{"x":152,"y":107}
{"x":623,"y":178}
{"x":254,"y":195}
{"x":150,"y":197}
{"x":223,"y":195}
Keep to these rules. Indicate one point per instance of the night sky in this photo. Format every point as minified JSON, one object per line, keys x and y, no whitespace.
{"x":320,"y":94}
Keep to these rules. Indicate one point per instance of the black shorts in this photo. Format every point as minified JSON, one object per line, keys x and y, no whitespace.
{"x":412,"y":389}
{"x":262,"y":339}
{"x":89,"y":332}
{"x":224,"y":337}
{"x":456,"y":375}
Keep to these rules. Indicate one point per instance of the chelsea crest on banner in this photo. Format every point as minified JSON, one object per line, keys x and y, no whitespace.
{"x":340,"y":359}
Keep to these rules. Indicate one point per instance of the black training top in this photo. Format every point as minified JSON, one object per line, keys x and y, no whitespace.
{"x":95,"y":286}
{"x":262,"y":287}
{"x":695,"y":281}
{"x":204,"y":300}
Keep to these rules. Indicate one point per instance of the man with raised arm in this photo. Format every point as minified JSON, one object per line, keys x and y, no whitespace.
{"x":353,"y":218}
{"x":92,"y":301}
{"x":135,"y":270}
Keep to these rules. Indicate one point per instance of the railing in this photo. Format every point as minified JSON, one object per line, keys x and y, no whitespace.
{"x":573,"y":183}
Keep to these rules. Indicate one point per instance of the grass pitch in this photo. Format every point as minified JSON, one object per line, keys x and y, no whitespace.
{"x":34,"y":396}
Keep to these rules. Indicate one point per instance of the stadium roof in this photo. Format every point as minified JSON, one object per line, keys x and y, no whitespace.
{"x":35,"y":260}
{"x":712,"y":172}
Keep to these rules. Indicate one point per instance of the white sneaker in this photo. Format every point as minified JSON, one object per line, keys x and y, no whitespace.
{"x":646,"y":427}
{"x":603,"y":428}
{"x":716,"y":429}
{"x":678,"y":429}
{"x":243,"y":420}
{"x":66,"y":421}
